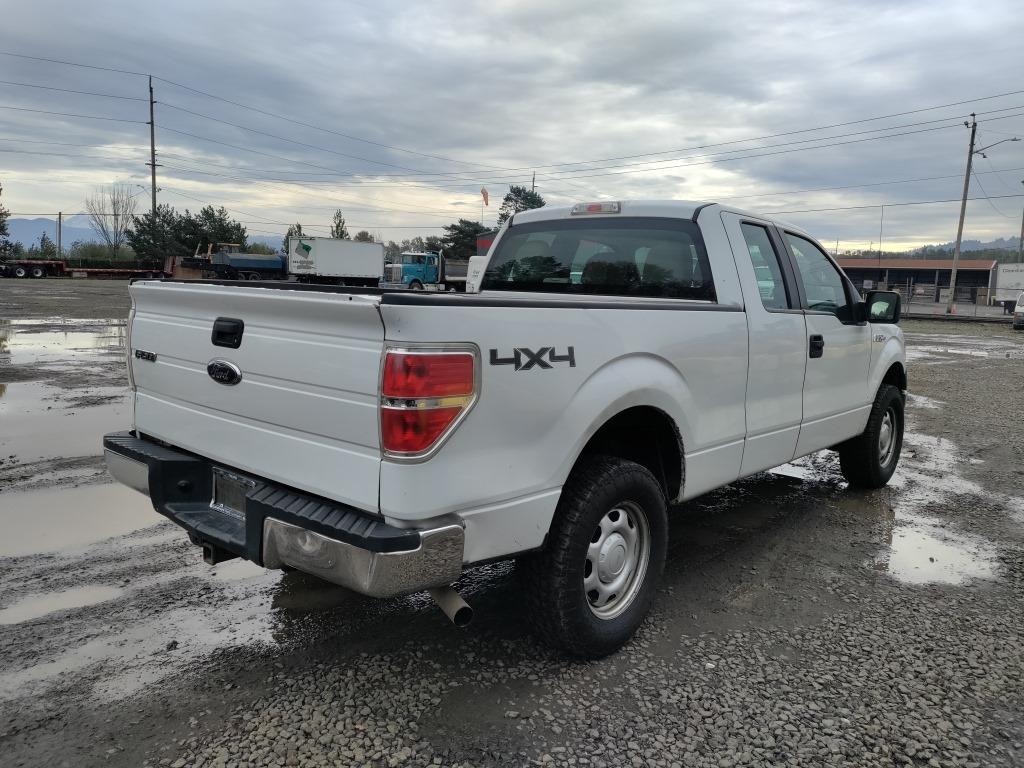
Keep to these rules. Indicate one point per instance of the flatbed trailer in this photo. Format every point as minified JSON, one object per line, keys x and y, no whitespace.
{"x":39,"y":268}
{"x":32,"y":268}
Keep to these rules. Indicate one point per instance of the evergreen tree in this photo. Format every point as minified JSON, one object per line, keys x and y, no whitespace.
{"x":518,"y":199}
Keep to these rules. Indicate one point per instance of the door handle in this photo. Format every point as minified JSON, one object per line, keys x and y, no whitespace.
{"x":817,"y":345}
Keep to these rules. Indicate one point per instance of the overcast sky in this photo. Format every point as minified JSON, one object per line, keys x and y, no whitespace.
{"x":467,"y":95}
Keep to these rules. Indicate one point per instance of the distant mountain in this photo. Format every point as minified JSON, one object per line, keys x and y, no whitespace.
{"x":1000,"y":244}
{"x":27,"y":232}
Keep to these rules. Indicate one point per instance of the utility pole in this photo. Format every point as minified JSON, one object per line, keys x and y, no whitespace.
{"x":533,"y":184}
{"x":152,"y":146}
{"x":881,"y":221}
{"x":60,"y":223}
{"x":1020,"y":243}
{"x":963,"y":212}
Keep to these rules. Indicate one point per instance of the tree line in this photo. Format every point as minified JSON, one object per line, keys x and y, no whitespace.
{"x":169,"y":232}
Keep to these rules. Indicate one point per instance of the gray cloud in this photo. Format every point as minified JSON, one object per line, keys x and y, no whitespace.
{"x":521,"y":85}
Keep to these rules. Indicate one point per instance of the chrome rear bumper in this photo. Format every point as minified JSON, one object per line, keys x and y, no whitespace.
{"x":281,"y":526}
{"x":436,"y":562}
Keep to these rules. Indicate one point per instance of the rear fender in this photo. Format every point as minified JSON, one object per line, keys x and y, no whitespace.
{"x":626,"y":382}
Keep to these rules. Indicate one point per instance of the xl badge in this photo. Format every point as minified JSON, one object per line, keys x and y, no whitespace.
{"x":224,"y":372}
{"x":524,"y":358}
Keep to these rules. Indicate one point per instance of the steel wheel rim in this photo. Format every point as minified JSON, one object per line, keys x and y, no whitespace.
{"x":887,"y":437}
{"x":616,"y":561}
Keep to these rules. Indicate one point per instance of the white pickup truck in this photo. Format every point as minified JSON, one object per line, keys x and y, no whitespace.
{"x":608,"y":360}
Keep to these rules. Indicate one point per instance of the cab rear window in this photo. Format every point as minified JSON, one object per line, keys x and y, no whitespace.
{"x":608,"y":257}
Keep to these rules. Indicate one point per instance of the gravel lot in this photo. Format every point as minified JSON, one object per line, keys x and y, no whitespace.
{"x":799,"y":622}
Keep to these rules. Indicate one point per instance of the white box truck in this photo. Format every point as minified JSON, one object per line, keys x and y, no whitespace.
{"x":335,"y":262}
{"x":1009,"y":283}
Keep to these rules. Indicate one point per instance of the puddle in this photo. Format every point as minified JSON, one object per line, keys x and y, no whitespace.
{"x":922,"y":548}
{"x":38,"y":421}
{"x":33,"y":606}
{"x":238,"y":570}
{"x":147,"y":650}
{"x":922,"y":552}
{"x":920,"y":401}
{"x":69,"y":519}
{"x":60,"y":340}
{"x":934,"y":348}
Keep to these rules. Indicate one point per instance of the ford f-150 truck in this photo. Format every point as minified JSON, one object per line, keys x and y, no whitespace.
{"x":608,"y":360}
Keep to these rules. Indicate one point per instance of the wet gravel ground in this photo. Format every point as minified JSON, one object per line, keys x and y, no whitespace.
{"x":799,"y":622}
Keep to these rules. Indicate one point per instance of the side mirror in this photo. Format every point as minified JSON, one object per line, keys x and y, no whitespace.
{"x":882,"y":307}
{"x":475,"y":273}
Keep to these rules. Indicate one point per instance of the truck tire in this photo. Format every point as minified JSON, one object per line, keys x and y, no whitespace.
{"x":869,"y":460}
{"x":415,"y":285}
{"x":591,"y":585}
{"x":20,"y":271}
{"x":38,"y":272}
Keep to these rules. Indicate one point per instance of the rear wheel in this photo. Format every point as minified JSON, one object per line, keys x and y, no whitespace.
{"x":870,"y":459}
{"x":594,"y":581}
{"x":38,"y":272}
{"x":20,"y":271}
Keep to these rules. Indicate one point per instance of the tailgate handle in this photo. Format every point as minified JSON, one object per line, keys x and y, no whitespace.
{"x":227,"y":332}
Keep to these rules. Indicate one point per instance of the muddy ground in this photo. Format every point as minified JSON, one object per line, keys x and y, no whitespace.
{"x":798,"y":623}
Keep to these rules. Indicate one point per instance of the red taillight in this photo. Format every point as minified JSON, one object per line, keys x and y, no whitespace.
{"x":416,"y":375}
{"x":410,"y":430}
{"x":423,"y":395}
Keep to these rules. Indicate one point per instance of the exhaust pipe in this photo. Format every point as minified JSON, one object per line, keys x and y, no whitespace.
{"x":454,"y":607}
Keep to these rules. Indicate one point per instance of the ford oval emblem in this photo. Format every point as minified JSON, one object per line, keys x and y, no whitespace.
{"x":224,"y":372}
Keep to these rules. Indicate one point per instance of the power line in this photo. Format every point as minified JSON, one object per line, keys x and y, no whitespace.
{"x":71,"y":63}
{"x":72,"y":114}
{"x":69,"y":90}
{"x":466,"y":181}
{"x":317,"y":127}
{"x":859,"y":186}
{"x":789,"y":133}
{"x":67,"y":143}
{"x":887,"y":205}
{"x":60,"y":154}
{"x":411,"y":171}
{"x":238,"y":104}
{"x":462,"y":175}
{"x":989,"y":199}
{"x":290,"y":141}
{"x":301,"y":187}
{"x":583,"y":162}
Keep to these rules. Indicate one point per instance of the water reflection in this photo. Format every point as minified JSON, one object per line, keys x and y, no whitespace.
{"x":54,"y":341}
{"x":6,"y":331}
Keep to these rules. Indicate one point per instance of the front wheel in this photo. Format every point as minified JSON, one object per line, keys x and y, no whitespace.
{"x":592,"y":584}
{"x":416,"y":285}
{"x":870,"y":459}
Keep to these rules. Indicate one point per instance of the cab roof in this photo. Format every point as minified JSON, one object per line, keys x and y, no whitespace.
{"x":671,"y":209}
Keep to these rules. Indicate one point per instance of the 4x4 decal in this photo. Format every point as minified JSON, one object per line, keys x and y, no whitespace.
{"x":524,"y":358}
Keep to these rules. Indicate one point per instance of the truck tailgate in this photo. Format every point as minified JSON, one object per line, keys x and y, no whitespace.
{"x":305,"y":410}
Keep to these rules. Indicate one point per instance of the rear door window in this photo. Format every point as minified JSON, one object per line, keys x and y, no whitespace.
{"x":767,"y":267}
{"x":611,"y":257}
